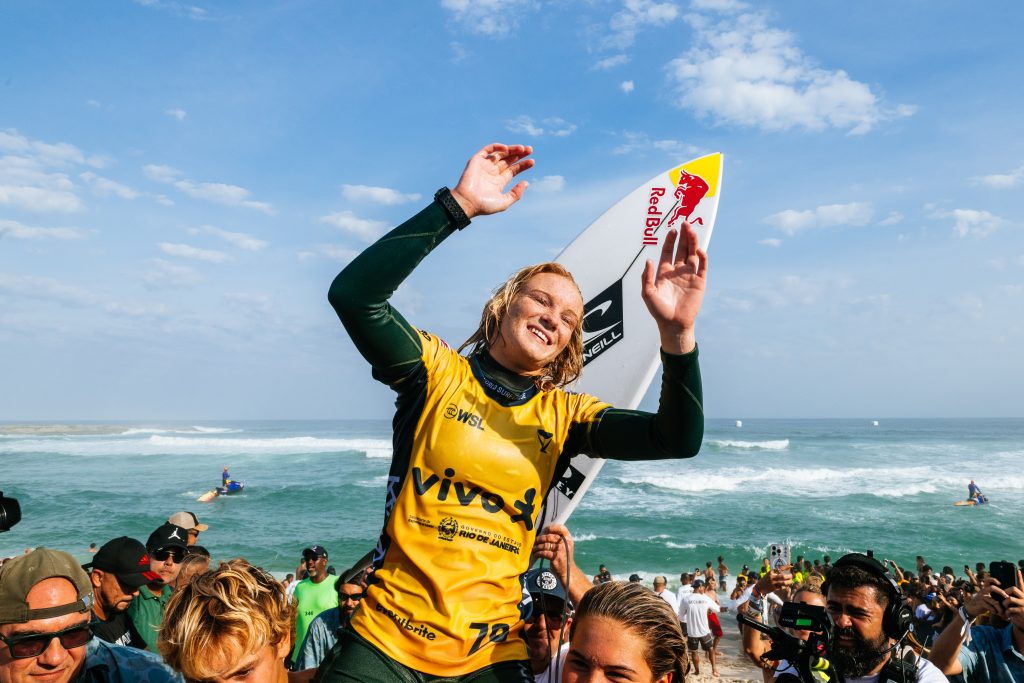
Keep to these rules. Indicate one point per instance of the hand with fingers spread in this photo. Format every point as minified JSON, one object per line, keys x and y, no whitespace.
{"x":674,"y":289}
{"x":481,"y":189}
{"x":986,"y":600}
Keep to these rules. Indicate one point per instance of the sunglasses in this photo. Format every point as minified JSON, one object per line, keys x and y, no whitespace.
{"x":35,"y":644}
{"x":553,"y":617}
{"x":176,"y":554}
{"x":352,"y":596}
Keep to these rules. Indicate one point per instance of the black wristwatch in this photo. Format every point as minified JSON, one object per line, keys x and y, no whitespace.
{"x":444,"y":198}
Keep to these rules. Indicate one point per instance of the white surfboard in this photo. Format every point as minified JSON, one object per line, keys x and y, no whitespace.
{"x":620,"y":338}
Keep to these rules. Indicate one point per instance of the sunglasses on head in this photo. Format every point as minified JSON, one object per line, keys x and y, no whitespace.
{"x":35,"y":644}
{"x":176,"y":554}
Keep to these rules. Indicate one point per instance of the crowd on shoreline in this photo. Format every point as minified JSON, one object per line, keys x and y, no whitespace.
{"x":138,"y":597}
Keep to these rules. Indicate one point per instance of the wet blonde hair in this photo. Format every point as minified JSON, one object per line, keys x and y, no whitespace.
{"x":234,"y":606}
{"x":567,"y":366}
{"x":645,"y":614}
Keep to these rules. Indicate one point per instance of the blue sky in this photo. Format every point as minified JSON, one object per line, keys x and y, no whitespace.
{"x":179,"y":183}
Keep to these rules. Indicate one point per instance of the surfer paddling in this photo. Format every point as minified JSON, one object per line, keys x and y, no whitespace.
{"x":479,"y":439}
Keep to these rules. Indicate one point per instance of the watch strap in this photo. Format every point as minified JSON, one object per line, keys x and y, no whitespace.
{"x":458,"y":216}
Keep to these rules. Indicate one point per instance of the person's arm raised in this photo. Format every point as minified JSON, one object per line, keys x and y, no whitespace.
{"x":360,"y":292}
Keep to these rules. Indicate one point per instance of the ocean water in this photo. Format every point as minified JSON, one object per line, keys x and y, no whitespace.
{"x":823,"y":486}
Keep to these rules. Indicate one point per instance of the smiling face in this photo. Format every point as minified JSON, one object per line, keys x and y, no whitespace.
{"x":538,"y":325}
{"x":602,"y":650}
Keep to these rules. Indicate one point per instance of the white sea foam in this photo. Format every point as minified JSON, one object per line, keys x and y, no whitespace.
{"x":215,"y":430}
{"x":680,"y":546}
{"x":200,"y":445}
{"x":884,"y":482}
{"x":774,"y":445}
{"x":584,"y":537}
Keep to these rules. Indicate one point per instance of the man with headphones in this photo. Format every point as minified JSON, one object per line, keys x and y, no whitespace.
{"x":871,"y":623}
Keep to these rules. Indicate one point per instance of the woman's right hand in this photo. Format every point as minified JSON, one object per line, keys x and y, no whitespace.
{"x":480,"y":190}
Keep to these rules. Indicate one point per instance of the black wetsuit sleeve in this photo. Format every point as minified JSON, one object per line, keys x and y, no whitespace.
{"x":675,"y":431}
{"x":360,"y":293}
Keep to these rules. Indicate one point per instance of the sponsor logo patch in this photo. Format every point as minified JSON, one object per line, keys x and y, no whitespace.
{"x":602,"y":322}
{"x":447,"y":529}
{"x":570,"y":481}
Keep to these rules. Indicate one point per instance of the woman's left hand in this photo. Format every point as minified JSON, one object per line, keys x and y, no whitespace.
{"x":674,"y":289}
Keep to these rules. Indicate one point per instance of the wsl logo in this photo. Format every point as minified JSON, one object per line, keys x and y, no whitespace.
{"x":602,"y":322}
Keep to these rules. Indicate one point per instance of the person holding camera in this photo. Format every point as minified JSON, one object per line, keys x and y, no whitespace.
{"x":871,"y":625}
{"x":985,"y":654}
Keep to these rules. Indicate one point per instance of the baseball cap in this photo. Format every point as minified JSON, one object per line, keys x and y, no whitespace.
{"x":634,"y":578}
{"x":187,"y":520}
{"x":697,"y":582}
{"x":315,"y":551}
{"x":18,"y":576}
{"x":168,"y":536}
{"x":125,"y":558}
{"x":544,"y":582}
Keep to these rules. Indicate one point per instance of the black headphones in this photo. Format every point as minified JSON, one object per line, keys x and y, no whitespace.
{"x":897,"y":617}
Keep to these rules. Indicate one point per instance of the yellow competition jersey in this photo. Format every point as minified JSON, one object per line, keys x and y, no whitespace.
{"x":466,"y":485}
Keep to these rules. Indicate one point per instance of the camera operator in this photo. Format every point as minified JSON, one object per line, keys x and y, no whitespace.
{"x":755,"y":645}
{"x":871,"y":624}
{"x":989,"y":654}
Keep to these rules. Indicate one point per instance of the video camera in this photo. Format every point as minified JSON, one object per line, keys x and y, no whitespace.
{"x":10,"y":512}
{"x":809,"y":657}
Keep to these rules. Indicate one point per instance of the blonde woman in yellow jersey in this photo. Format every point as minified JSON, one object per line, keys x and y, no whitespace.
{"x":480,"y":438}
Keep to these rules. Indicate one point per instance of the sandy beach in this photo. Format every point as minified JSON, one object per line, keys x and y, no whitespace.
{"x":733,"y":666}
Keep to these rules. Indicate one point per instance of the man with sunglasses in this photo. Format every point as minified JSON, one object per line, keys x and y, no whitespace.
{"x":313,"y":595}
{"x":167,"y":547}
{"x":322,"y":633}
{"x":45,"y":635}
{"x":118,"y":570}
{"x":547,"y":627}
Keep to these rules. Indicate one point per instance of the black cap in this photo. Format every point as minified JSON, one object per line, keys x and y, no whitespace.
{"x":168,"y":536}
{"x":544,"y":582}
{"x":635,"y":578}
{"x":125,"y":558}
{"x":315,"y":551}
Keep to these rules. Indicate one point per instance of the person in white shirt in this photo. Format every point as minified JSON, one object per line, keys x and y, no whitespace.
{"x":698,"y":631}
{"x":661,"y":590}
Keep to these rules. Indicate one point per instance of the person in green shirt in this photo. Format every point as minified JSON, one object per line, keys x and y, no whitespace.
{"x":314,"y":594}
{"x":167,"y":547}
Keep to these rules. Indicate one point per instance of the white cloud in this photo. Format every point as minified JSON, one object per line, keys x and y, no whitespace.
{"x":493,"y":18}
{"x":93,"y":103}
{"x":634,"y":16}
{"x":1003,"y":180}
{"x":58,"y":153}
{"x":105,"y":187}
{"x":634,"y":142}
{"x":973,"y":223}
{"x":743,"y":71}
{"x":365,"y":229}
{"x":33,"y":177}
{"x":218,"y":193}
{"x":553,"y":125}
{"x":331,"y":251}
{"x":238,"y":239}
{"x":626,"y":86}
{"x":40,"y":199}
{"x":20,"y":231}
{"x":792,"y":221}
{"x":771,"y":242}
{"x":162,"y":273}
{"x":255,"y":302}
{"x":724,"y":6}
{"x":188,"y":251}
{"x":45,"y":288}
{"x":179,"y":114}
{"x":459,"y":52}
{"x":378,"y":195}
{"x":548,"y":183}
{"x":611,"y":62}
{"x":892,"y":219}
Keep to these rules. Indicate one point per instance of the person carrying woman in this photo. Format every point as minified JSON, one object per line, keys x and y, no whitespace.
{"x":480,"y":439}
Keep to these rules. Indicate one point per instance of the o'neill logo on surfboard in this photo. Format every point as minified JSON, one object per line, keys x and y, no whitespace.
{"x":602,"y":322}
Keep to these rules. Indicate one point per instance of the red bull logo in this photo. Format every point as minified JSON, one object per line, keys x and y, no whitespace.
{"x":690,"y":190}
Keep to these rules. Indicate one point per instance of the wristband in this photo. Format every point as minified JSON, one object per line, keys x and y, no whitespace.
{"x":451,"y":206}
{"x":965,"y":630}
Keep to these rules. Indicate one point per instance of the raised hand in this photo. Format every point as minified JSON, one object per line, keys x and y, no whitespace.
{"x":481,"y":189}
{"x":674,"y":289}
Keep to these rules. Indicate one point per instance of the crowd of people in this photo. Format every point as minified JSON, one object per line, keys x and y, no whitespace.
{"x":162,"y":611}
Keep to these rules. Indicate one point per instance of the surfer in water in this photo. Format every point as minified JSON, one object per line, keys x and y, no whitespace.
{"x":480,"y":439}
